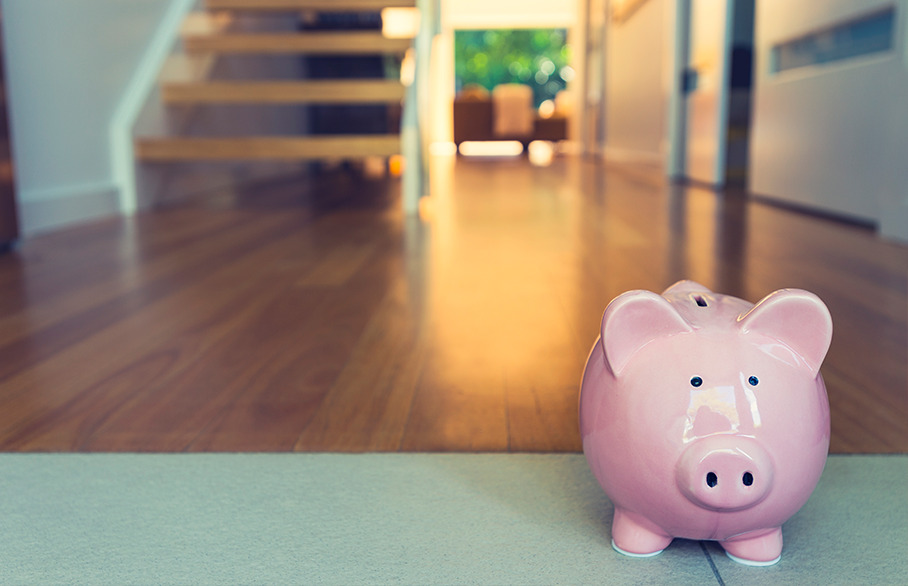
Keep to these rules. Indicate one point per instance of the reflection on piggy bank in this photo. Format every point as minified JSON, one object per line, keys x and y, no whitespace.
{"x":705,"y":417}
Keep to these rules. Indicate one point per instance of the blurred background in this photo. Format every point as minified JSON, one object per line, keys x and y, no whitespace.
{"x":802,"y":103}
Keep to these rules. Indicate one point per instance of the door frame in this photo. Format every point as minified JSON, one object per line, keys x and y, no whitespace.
{"x":677,"y":117}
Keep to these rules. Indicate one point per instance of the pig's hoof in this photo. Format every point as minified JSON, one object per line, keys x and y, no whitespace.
{"x":754,"y":563}
{"x":760,"y":548}
{"x":635,"y":555}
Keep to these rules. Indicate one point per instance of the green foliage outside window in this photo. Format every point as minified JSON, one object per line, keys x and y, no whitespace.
{"x":536,"y":57}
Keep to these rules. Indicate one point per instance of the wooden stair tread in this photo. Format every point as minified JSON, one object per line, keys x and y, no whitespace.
{"x":183,"y":68}
{"x":325,"y":43}
{"x":294,"y":5}
{"x":205,"y":23}
{"x":353,"y":91}
{"x":263,"y":148}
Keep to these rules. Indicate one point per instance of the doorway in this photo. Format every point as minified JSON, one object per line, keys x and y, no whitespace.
{"x":510,"y":86}
{"x":716,"y":46}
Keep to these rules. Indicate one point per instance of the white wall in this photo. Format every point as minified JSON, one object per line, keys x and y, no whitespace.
{"x":894,"y":198}
{"x":829,"y":136}
{"x":509,"y":13}
{"x":637,"y":83}
{"x":68,"y":64}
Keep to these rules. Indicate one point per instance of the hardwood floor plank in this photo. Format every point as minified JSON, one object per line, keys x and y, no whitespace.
{"x":181,"y":325}
{"x":861,"y":419}
{"x":290,"y":386}
{"x":47,"y":328}
{"x":51,"y":279}
{"x":459,"y":406}
{"x":308,"y":360}
{"x":337,"y":266}
{"x":195,"y":408}
{"x":186,"y":403}
{"x":542,"y":418}
{"x":366,"y":408}
{"x":311,"y":314}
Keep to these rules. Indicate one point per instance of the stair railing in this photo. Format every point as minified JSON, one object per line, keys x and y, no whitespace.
{"x":414,"y":122}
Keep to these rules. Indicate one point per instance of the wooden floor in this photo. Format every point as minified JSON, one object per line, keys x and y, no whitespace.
{"x":315,"y":316}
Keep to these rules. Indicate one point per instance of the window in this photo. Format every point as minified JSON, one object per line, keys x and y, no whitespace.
{"x":536,"y":57}
{"x":862,"y":36}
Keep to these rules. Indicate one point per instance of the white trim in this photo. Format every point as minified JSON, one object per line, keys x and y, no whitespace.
{"x":412,"y":180}
{"x":677,"y":103}
{"x":65,"y":191}
{"x":122,"y":159}
{"x":578,"y":88}
{"x":724,"y":95}
{"x":41,"y":211}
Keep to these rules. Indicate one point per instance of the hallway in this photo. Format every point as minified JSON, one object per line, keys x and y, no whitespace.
{"x":314,"y":316}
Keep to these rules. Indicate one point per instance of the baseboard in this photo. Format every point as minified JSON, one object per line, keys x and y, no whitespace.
{"x":894,"y":221}
{"x":135,"y":95}
{"x":42,"y":211}
{"x":620,"y":155}
{"x":812,"y":209}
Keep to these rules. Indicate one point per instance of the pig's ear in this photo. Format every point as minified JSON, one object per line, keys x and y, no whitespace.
{"x":634,"y":319}
{"x":796,"y":318}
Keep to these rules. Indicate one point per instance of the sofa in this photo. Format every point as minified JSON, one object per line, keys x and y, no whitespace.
{"x":506,"y":113}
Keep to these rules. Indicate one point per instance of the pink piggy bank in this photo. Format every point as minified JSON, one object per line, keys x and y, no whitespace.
{"x":705,"y":417}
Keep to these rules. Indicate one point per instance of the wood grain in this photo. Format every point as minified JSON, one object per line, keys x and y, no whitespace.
{"x":254,"y":148}
{"x":310,"y":43}
{"x":352,"y":91}
{"x":310,"y":314}
{"x":297,"y":5}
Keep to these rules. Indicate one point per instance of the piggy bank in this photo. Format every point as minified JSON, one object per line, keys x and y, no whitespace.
{"x":705,"y":417}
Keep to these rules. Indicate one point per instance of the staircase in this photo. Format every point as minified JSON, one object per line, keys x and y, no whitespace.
{"x":212,"y":34}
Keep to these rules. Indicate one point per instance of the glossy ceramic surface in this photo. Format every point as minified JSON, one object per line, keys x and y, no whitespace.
{"x":704,"y":416}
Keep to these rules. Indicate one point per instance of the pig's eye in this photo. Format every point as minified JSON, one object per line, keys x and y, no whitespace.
{"x":696,"y":381}
{"x":754,"y":381}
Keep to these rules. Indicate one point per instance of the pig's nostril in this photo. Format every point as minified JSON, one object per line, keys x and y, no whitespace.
{"x":712,"y":480}
{"x":747,"y":479}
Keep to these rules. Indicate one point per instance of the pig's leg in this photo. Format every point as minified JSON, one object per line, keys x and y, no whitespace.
{"x":634,"y":536}
{"x":760,"y":548}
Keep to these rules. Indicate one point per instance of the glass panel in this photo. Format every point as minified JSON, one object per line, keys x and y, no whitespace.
{"x":536,"y":57}
{"x":862,"y":36}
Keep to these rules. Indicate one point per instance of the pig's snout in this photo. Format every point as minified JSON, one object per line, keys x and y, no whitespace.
{"x":725,"y":473}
